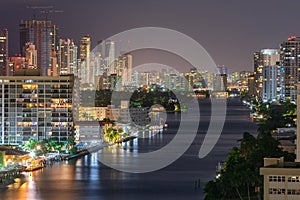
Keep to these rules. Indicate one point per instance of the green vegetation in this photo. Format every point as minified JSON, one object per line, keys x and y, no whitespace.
{"x":141,"y":97}
{"x":239,"y":177}
{"x":277,"y":116}
{"x":147,"y":98}
{"x":50,"y":145}
{"x":111,"y":134}
{"x":1,"y":159}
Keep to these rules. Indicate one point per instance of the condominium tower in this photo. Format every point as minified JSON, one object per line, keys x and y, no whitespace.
{"x":37,"y":107}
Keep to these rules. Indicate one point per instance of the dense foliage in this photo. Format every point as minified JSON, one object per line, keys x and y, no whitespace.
{"x":141,"y":97}
{"x":50,"y":145}
{"x":239,"y":177}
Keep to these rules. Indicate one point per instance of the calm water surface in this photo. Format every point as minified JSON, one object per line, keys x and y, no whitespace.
{"x":86,"y":178}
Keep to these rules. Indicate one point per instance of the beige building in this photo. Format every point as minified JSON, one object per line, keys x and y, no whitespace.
{"x":92,"y":113}
{"x":281,"y":179}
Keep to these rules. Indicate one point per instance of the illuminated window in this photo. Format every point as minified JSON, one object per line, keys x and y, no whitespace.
{"x":277,"y":191}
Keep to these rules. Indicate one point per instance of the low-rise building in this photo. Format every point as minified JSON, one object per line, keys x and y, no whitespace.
{"x":281,"y":179}
{"x":88,"y":133}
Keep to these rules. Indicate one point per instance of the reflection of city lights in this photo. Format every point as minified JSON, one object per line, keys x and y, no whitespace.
{"x":32,"y":154}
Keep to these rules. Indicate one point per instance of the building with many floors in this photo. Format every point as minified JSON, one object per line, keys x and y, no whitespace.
{"x":44,"y":35}
{"x":264,"y":62}
{"x":290,"y":61}
{"x":37,"y":107}
{"x":3,"y":52}
{"x":282,"y":179}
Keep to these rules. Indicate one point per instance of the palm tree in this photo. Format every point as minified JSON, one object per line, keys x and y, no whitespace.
{"x":31,"y":145}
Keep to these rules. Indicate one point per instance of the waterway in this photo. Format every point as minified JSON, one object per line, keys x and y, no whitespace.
{"x":86,"y":178}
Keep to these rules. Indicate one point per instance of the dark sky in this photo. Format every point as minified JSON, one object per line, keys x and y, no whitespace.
{"x":230,"y":30}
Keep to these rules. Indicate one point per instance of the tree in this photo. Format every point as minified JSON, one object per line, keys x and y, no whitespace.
{"x":1,"y":159}
{"x":31,"y":145}
{"x":240,"y":174}
{"x":248,"y":145}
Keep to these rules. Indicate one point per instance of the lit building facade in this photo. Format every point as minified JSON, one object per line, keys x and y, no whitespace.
{"x":123,"y":69}
{"x":16,"y":63}
{"x":270,"y":83}
{"x":67,"y":57}
{"x":290,"y":61}
{"x":263,"y":58}
{"x":251,"y":89}
{"x":85,"y":69}
{"x":4,"y":52}
{"x":30,"y":56}
{"x":44,"y":35}
{"x":37,"y":107}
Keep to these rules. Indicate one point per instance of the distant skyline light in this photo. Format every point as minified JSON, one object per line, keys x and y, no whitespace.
{"x":229,"y":30}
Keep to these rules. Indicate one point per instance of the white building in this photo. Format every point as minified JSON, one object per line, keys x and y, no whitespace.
{"x":88,"y":133}
{"x":270,"y":83}
{"x":67,"y":57}
{"x":263,"y":58}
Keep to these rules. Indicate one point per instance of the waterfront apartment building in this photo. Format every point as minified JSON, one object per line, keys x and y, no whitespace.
{"x":290,"y":61}
{"x":264,"y":62}
{"x":37,"y":107}
{"x":270,"y":83}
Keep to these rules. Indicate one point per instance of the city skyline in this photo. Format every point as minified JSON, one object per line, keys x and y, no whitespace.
{"x":229,"y":32}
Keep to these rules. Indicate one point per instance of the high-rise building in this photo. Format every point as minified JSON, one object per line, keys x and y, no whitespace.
{"x":31,"y":56}
{"x":290,"y":61}
{"x":38,"y":107}
{"x":67,"y":57}
{"x":85,"y":69}
{"x":251,"y":89}
{"x":222,"y":69}
{"x":220,"y":83}
{"x":123,"y":68}
{"x":43,"y":34}
{"x":270,"y":83}
{"x":298,"y":127}
{"x":4,"y":52}
{"x":240,"y":78}
{"x":265,"y":57}
{"x":53,"y":70}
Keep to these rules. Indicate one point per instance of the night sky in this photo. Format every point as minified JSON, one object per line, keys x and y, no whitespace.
{"x":230,"y":30}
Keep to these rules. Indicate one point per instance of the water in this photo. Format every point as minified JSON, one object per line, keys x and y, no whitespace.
{"x":86,"y":178}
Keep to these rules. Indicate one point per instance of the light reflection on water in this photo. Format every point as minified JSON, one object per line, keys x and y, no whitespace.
{"x":87,"y":179}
